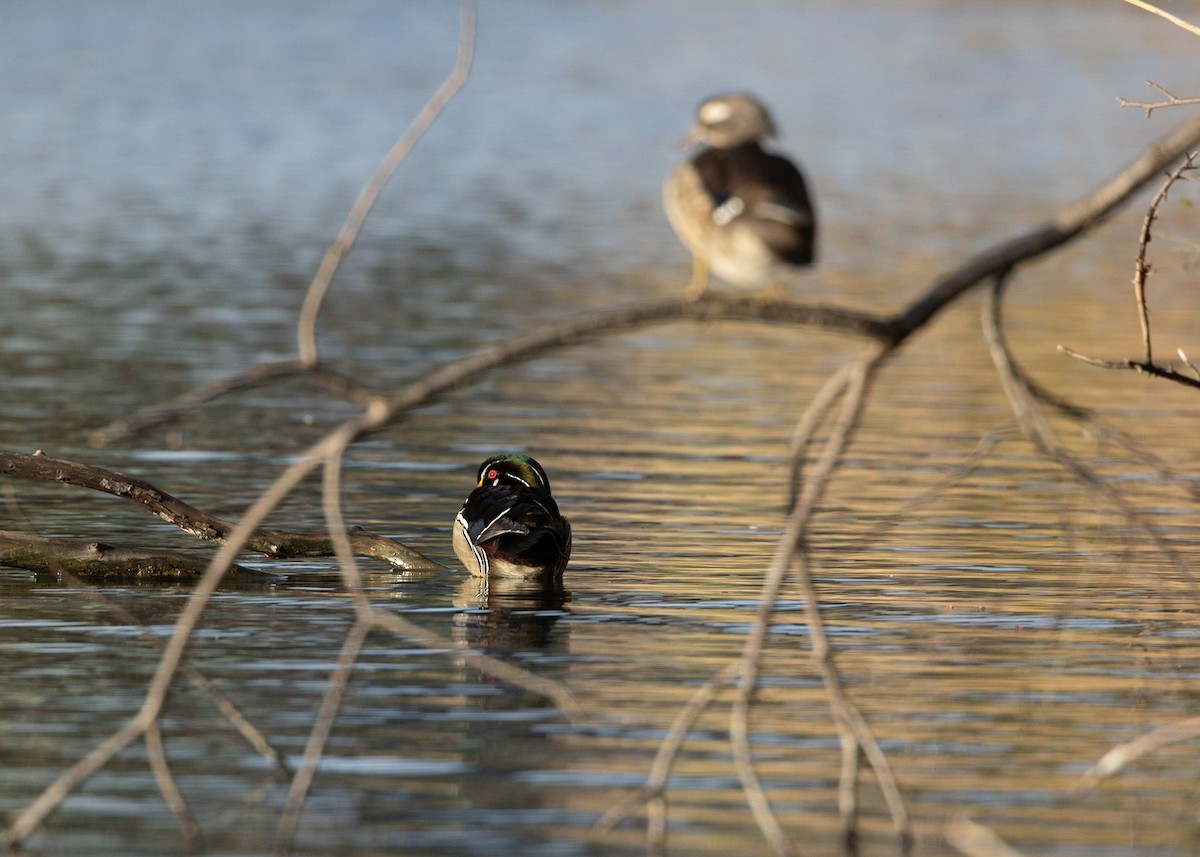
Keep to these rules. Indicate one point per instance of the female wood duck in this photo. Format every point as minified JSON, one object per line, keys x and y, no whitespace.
{"x":743,"y":212}
{"x":510,"y":526}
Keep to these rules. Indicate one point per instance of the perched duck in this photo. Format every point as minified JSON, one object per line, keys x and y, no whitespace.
{"x":743,"y":212}
{"x":510,"y":526}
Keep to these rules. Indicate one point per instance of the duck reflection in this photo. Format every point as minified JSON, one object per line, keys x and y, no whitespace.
{"x":504,"y":615}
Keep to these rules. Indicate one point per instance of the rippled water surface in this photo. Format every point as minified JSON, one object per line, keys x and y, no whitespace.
{"x":172,"y":173}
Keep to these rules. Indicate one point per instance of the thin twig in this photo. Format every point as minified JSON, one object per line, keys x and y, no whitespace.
{"x":1064,"y":225}
{"x":804,"y":434}
{"x":338,"y":383}
{"x":195,"y":522}
{"x":972,"y":839}
{"x":1121,"y":755}
{"x":339,"y":680}
{"x":664,"y":760}
{"x":1171,"y":100}
{"x":1151,"y":369}
{"x":1177,"y":21}
{"x":306,"y":770}
{"x":851,"y":724}
{"x":188,"y":828}
{"x":307,"y":326}
{"x":1188,"y":363}
{"x":1034,"y":424}
{"x":1141,"y":268}
{"x":791,"y":548}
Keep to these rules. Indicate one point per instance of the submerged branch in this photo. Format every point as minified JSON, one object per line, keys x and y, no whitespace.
{"x":96,"y":562}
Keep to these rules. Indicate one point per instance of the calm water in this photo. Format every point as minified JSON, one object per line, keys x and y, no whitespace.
{"x":171,"y":174}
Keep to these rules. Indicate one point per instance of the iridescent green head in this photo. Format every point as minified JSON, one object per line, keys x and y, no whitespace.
{"x":513,"y":469}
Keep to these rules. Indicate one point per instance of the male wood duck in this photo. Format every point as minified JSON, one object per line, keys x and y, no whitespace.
{"x":510,"y":526}
{"x":743,"y":212}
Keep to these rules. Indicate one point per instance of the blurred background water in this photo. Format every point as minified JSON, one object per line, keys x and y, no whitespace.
{"x":170,"y":175}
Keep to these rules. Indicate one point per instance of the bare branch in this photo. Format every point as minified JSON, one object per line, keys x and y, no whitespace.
{"x":1170,"y":100}
{"x":664,"y":761}
{"x":972,"y":839}
{"x":1141,"y":266}
{"x":1116,"y":759}
{"x":1064,"y":225}
{"x":276,"y":543}
{"x":307,"y":326}
{"x":1177,"y":21}
{"x":1034,"y":424}
{"x":170,"y":791}
{"x":1141,"y":368}
{"x":339,"y":680}
{"x":31,"y":817}
{"x":338,"y":383}
{"x":289,"y":818}
{"x":97,"y":562}
{"x":1188,"y":363}
{"x":790,"y":553}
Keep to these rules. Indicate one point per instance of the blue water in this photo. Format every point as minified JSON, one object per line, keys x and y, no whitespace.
{"x":169,"y":177}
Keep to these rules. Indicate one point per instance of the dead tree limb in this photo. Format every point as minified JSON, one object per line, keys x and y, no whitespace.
{"x":1141,"y":273}
{"x":1169,"y":100}
{"x":1166,"y":16}
{"x":382,"y":411}
{"x":275,"y":543}
{"x":972,"y":839}
{"x":28,"y":820}
{"x":850,"y":384}
{"x":713,"y":307}
{"x":1067,"y":223}
{"x":223,"y":703}
{"x":1117,"y":758}
{"x":97,"y":562}
{"x":340,"y":384}
{"x":1036,"y":427}
{"x":307,"y":326}
{"x":1141,"y":267}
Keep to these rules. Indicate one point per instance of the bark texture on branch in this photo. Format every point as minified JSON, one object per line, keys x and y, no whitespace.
{"x":275,"y":543}
{"x":97,"y":562}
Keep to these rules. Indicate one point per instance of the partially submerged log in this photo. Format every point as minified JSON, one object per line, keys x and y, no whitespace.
{"x":280,"y":544}
{"x":97,"y":562}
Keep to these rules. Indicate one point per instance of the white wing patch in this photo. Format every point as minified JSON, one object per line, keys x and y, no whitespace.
{"x":724,"y":213}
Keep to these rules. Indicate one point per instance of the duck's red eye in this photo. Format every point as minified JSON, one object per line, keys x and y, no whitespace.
{"x":493,"y":474}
